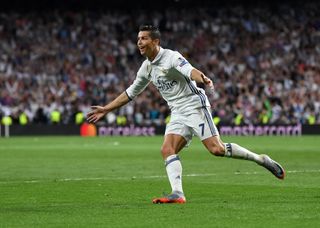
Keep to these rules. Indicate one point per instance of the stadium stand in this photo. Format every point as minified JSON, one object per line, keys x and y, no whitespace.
{"x":264,"y":61}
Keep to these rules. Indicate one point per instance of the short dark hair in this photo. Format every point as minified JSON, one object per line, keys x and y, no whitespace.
{"x":154,"y":31}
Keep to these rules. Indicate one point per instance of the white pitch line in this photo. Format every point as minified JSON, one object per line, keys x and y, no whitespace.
{"x":143,"y":177}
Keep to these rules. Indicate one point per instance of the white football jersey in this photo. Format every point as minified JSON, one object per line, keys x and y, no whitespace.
{"x":170,"y":72}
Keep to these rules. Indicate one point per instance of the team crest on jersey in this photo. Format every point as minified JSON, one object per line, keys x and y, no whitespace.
{"x":165,"y":71}
{"x":182,"y":61}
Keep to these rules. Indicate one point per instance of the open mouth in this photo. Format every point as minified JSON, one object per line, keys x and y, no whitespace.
{"x":142,"y":49}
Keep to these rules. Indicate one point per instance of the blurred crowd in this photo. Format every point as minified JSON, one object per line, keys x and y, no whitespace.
{"x":264,"y":61}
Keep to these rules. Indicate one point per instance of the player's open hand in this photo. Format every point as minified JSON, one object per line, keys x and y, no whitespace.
{"x":96,"y":114}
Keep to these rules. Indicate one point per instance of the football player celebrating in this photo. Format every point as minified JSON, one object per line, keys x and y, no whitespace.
{"x":176,"y":79}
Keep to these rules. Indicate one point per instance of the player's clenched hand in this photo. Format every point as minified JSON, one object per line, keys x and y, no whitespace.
{"x":96,"y":114}
{"x":207,"y":81}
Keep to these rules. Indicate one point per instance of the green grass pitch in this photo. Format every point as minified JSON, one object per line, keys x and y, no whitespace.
{"x":110,"y":182}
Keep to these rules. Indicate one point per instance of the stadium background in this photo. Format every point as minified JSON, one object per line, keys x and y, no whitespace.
{"x":60,"y":57}
{"x":70,"y":54}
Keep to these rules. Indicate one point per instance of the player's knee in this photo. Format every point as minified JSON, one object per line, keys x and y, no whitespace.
{"x":217,"y":150}
{"x":167,"y":151}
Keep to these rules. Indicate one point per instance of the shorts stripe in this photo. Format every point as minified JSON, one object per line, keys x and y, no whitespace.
{"x":204,"y":107}
{"x":209,"y":119}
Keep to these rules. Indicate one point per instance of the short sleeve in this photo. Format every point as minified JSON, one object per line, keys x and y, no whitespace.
{"x":181,"y":64}
{"x":140,"y":83}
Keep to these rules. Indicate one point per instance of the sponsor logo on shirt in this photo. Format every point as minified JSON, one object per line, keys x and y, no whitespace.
{"x":165,"y":85}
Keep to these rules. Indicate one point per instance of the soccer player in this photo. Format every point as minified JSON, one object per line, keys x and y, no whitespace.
{"x":176,"y":79}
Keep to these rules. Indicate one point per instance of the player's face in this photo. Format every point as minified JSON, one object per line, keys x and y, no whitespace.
{"x":147,"y":46}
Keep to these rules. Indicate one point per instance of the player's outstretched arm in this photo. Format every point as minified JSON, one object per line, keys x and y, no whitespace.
{"x":98,"y":112}
{"x":198,"y":76}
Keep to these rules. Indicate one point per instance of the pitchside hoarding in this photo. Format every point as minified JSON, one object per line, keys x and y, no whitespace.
{"x":87,"y":129}
{"x":261,"y":130}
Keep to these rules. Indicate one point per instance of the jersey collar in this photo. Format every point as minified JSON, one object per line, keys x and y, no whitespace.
{"x":158,"y":56}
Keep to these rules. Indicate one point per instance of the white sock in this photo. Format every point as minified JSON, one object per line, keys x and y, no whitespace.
{"x":174,"y":171}
{"x":235,"y":151}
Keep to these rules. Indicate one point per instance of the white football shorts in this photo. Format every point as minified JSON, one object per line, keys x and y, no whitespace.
{"x":199,"y":123}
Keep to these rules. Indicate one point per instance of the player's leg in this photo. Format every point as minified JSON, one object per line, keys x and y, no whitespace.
{"x":171,"y":146}
{"x":209,"y":135}
{"x":215,"y":145}
{"x":177,"y":136}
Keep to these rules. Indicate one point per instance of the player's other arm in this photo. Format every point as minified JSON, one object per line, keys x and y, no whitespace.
{"x":139,"y":84}
{"x":100,"y":111}
{"x":185,"y":68}
{"x":199,"y":77}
